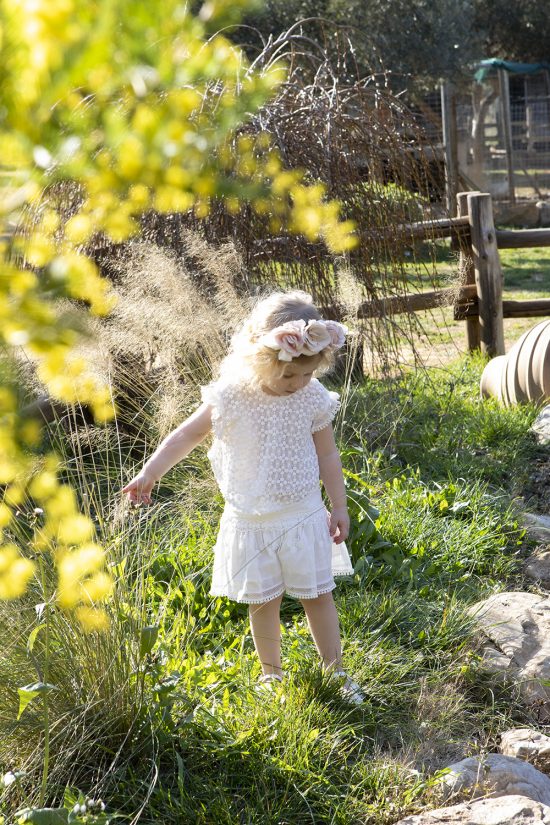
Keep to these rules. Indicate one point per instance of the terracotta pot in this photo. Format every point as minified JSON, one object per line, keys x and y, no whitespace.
{"x":523,"y":374}
{"x":491,"y":380}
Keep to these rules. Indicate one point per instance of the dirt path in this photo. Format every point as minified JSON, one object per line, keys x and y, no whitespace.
{"x":446,"y":338}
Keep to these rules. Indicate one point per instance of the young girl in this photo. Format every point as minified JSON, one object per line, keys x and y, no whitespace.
{"x":272,"y":440}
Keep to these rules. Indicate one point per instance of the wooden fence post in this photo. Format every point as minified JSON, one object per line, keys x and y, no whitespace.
{"x":488,"y":274}
{"x":466,"y":267}
{"x":506,"y":110}
{"x":450,"y":144}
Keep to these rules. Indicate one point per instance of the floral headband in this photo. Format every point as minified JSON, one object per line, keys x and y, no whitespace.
{"x":297,"y":338}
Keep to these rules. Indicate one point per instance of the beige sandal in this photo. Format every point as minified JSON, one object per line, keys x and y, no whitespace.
{"x":349,"y":689}
{"x":270,"y":678}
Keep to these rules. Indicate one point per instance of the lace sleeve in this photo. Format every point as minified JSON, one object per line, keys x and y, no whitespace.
{"x":328,"y":406}
{"x":217,"y":396}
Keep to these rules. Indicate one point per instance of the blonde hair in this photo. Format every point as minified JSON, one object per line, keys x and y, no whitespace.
{"x":249,"y":362}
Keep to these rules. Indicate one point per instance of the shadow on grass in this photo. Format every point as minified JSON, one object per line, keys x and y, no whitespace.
{"x":434,"y":421}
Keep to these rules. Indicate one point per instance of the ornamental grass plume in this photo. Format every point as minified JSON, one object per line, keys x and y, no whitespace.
{"x":170,"y":327}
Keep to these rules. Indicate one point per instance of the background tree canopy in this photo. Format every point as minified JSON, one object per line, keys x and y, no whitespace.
{"x":515,"y":31}
{"x":420,"y":40}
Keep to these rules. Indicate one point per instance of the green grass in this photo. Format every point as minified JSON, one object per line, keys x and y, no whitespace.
{"x":526,"y":270}
{"x":526,"y":275}
{"x":523,"y":269}
{"x":183,"y":734}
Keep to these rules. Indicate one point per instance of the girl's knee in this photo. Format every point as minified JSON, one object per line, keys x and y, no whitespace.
{"x":318,"y":601}
{"x":265,"y":607}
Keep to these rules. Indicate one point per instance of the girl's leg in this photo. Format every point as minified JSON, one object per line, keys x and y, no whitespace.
{"x":265,"y":623}
{"x":324,"y":626}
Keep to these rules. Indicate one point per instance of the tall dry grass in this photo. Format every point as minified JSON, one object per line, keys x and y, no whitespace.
{"x":169,"y":330}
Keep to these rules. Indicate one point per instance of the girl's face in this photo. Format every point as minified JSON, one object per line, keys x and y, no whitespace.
{"x":295,"y":375}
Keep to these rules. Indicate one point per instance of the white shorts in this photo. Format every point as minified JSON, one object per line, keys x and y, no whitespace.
{"x":260,"y":557}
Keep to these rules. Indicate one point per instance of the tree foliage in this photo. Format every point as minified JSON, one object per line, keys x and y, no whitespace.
{"x":418,"y":41}
{"x":514,"y":31}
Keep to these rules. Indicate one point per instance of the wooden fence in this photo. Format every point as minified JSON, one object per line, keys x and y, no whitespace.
{"x":479,"y":300}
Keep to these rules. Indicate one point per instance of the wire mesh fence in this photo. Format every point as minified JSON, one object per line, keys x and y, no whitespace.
{"x":521,"y":168}
{"x":500,"y":134}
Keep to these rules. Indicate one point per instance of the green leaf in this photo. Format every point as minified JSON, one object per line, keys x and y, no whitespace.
{"x":148,"y":638}
{"x":181,"y":770}
{"x":360,"y":565}
{"x":366,"y":530}
{"x":32,"y":637}
{"x":70,"y":797}
{"x":117,"y":568}
{"x":25,"y":697}
{"x":44,"y":816}
{"x":30,"y":692}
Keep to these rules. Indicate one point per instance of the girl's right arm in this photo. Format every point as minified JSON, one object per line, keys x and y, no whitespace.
{"x":174,"y":448}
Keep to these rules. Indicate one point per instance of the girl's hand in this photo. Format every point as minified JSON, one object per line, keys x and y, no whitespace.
{"x":339,"y":524}
{"x":138,"y":490}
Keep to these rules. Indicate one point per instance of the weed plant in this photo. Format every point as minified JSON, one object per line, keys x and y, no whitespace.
{"x":161,"y":715}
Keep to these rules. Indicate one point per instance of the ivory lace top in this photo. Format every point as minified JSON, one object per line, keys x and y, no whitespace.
{"x":262,"y":454}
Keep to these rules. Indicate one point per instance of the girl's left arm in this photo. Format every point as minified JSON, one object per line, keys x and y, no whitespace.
{"x":174,"y":448}
{"x":330,"y":470}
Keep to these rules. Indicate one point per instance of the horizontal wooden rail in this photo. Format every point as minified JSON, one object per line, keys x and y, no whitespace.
{"x":481,"y":295}
{"x":522,"y":238}
{"x":536,"y":308}
{"x":415,"y":302}
{"x":423,"y":230}
{"x":526,"y":309}
{"x":441,"y":228}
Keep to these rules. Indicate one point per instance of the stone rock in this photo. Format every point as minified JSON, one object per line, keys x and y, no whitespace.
{"x":537,"y":526}
{"x":494,"y":776}
{"x":521,"y":213}
{"x":508,"y":810}
{"x":496,"y":662}
{"x":541,"y":425}
{"x":537,"y":567}
{"x":527,"y":744}
{"x":518,"y":625}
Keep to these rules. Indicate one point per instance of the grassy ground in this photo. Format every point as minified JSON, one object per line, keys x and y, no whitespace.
{"x":162,"y":716}
{"x":526,"y":275}
{"x":175,"y":726}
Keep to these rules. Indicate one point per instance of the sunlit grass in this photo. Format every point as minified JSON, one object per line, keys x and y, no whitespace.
{"x":162,"y":715}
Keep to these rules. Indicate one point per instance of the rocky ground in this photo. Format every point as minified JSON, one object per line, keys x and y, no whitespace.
{"x":512,"y":786}
{"x":536,"y":493}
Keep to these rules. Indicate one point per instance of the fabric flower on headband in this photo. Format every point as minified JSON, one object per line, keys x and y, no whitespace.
{"x":297,"y":338}
{"x":316,"y":338}
{"x":337,"y":333}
